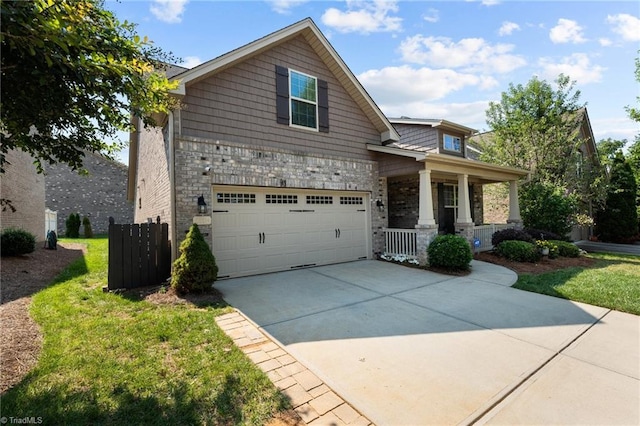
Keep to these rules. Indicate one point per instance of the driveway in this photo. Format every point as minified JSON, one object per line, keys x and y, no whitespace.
{"x":409,"y":347}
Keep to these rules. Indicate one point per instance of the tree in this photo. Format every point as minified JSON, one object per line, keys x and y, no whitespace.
{"x":618,"y":221}
{"x":535,"y":127}
{"x":71,"y":76}
{"x":608,"y":148}
{"x":195,"y":269}
{"x":547,"y":206}
{"x":634,"y":113}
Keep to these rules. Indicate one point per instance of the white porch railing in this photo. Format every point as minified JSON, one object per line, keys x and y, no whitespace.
{"x":485,"y":232}
{"x":400,"y":241}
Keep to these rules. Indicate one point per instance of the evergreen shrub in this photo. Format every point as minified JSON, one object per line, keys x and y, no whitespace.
{"x":72,"y":226}
{"x":450,"y":252}
{"x":567,"y":249}
{"x":195,"y":270}
{"x":510,"y":234}
{"x":540,"y":234}
{"x":518,"y":251}
{"x":16,"y":242}
{"x":86,"y":224}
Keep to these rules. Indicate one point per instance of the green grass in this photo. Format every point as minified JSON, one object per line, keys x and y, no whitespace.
{"x":108,"y":359}
{"x":613,"y":282}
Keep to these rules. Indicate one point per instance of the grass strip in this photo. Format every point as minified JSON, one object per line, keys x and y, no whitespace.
{"x":107,"y":359}
{"x":613,"y":282}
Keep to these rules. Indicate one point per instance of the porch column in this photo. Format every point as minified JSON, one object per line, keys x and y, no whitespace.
{"x":464,"y":209}
{"x":514,"y":205}
{"x":425,"y":211}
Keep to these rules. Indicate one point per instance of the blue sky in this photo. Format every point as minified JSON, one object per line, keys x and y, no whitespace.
{"x":431,"y":59}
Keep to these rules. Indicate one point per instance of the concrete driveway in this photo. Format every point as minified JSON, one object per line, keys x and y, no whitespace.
{"x":409,"y":347}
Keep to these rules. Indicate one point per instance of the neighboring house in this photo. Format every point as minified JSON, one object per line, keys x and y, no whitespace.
{"x":586,"y":158}
{"x":98,"y":195}
{"x":24,"y":187}
{"x":295,"y":162}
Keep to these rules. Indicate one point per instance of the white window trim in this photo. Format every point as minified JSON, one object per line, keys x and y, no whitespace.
{"x":444,"y":145}
{"x":454,"y":187}
{"x":292,"y":98}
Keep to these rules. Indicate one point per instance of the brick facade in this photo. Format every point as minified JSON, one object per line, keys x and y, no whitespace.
{"x":21,"y":184}
{"x":239,"y":164}
{"x":97,"y":195}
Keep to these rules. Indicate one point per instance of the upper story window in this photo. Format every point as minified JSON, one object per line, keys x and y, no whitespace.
{"x":301,"y":100}
{"x":303,"y":90}
{"x":452,"y":143}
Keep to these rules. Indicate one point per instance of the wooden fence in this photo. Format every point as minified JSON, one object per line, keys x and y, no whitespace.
{"x":139,"y":255}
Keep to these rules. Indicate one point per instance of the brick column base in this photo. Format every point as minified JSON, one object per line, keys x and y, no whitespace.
{"x":516,"y":223}
{"x":424,"y":235}
{"x":466,"y":230}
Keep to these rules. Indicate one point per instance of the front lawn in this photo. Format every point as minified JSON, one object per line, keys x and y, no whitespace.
{"x":613,"y":281}
{"x":108,"y":359}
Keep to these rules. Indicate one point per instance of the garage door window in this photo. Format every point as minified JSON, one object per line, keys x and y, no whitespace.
{"x":319,"y":199}
{"x":281,"y":199}
{"x":231,"y":198}
{"x":351,"y":200}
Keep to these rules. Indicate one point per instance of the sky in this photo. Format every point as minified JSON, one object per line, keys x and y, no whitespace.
{"x":431,"y":59}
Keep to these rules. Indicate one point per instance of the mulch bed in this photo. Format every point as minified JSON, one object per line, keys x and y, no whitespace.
{"x":23,"y":276}
{"x":540,"y":267}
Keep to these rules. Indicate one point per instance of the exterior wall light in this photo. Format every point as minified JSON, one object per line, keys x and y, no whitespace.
{"x":202,"y":206}
{"x":380,"y":205}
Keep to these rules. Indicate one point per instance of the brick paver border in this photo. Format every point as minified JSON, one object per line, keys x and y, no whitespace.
{"x":311,"y":398}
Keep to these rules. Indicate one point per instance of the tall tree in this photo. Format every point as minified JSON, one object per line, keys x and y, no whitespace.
{"x":535,"y":127}
{"x":71,"y":75}
{"x":634,"y":112}
{"x":618,"y":221}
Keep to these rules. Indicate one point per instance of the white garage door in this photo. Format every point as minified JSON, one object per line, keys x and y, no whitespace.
{"x":259,"y":230}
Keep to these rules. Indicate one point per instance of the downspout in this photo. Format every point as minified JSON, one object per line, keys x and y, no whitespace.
{"x":172,"y":186}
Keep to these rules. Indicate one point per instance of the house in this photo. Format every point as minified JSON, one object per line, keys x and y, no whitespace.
{"x":99,"y":194}
{"x":586,"y":160}
{"x":284,"y":161}
{"x":24,"y":188}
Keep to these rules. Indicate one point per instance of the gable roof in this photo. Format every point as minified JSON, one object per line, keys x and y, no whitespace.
{"x":435,"y":122}
{"x":308,"y":29}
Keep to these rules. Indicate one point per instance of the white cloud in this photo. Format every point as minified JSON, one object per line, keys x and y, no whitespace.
{"x":191,"y":61}
{"x":284,"y":6}
{"x":567,"y":31}
{"x":626,"y":25}
{"x":169,"y":11}
{"x":364,"y":17}
{"x":490,"y":2}
{"x":471,"y":114}
{"x":472,"y":54}
{"x":615,"y":127}
{"x":605,"y":42}
{"x":433,"y":15}
{"x":405,"y":84}
{"x":507,"y":28}
{"x":577,"y":66}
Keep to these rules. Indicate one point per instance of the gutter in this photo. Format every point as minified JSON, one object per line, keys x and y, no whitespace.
{"x":172,"y":174}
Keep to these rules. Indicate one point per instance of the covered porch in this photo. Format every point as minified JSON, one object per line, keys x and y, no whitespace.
{"x":431,"y":193}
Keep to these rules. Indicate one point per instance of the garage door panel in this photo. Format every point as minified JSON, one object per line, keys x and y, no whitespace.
{"x":268,"y":232}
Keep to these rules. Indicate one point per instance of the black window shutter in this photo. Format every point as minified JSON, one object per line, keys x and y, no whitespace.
{"x":282,"y":94}
{"x":323,"y":106}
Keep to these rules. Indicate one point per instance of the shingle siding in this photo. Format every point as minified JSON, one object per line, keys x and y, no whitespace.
{"x":239,"y":105}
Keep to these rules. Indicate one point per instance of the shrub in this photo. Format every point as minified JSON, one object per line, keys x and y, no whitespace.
{"x":195,"y":270}
{"x":567,"y":249}
{"x":86,"y":224}
{"x":519,"y":251}
{"x":72,"y":226}
{"x":539,"y":234}
{"x":16,"y":242}
{"x":451,"y":252}
{"x":545,"y":205}
{"x":510,"y":234}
